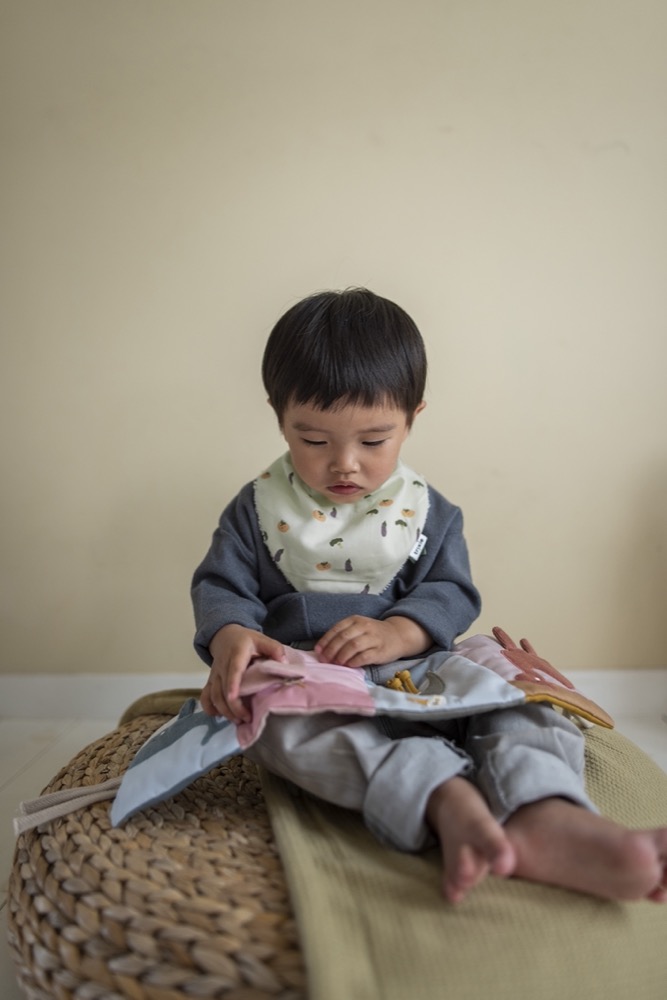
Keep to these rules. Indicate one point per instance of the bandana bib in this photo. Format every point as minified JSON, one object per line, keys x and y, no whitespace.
{"x":347,"y":548}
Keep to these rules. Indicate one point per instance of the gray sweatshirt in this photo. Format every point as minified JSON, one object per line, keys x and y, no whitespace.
{"x":239,"y":583}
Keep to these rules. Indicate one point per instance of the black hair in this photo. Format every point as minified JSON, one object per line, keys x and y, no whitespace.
{"x":340,"y":347}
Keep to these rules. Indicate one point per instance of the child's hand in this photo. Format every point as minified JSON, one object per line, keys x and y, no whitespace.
{"x":233,"y":649}
{"x":358,"y":642}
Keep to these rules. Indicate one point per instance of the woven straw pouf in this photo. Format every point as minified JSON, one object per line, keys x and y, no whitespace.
{"x":188,"y":899}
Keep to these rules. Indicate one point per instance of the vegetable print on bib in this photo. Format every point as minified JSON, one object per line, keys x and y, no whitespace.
{"x":352,"y":548}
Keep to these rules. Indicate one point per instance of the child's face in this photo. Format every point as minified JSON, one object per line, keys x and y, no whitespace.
{"x":346,"y":452}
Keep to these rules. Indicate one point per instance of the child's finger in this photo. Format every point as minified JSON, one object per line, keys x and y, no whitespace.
{"x":329,"y":643}
{"x":354,"y":651}
{"x":270,"y":648}
{"x":354,"y":625}
{"x":237,"y":710}
{"x":333,"y":645}
{"x":212,"y":699}
{"x":206,"y":702}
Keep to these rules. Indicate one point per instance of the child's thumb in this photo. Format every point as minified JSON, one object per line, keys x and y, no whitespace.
{"x":272,"y":648}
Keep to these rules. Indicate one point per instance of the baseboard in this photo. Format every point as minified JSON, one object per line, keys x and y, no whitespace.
{"x":625,"y":692}
{"x":106,"y":696}
{"x":83,"y":696}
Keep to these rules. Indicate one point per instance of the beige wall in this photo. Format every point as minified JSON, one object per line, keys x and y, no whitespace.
{"x":175,"y":174}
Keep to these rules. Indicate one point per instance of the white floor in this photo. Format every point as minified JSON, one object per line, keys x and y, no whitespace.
{"x":33,"y":749}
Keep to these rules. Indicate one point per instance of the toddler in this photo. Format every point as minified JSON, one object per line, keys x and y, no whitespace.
{"x":339,"y":547}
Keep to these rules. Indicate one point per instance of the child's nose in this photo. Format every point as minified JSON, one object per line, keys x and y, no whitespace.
{"x":345,"y":461}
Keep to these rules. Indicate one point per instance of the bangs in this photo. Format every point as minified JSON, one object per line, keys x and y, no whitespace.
{"x":340,"y":348}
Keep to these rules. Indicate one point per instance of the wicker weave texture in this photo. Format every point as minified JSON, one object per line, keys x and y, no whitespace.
{"x":188,"y":899}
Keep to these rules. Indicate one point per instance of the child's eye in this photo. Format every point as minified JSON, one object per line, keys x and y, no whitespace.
{"x":373,"y":444}
{"x":314,"y":443}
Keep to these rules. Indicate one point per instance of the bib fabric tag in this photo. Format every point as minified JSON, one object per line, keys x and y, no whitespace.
{"x":418,"y":548}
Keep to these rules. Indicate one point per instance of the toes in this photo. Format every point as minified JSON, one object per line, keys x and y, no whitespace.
{"x":462,"y":876}
{"x":470,"y":863}
{"x":659,"y":894}
{"x":504,"y":862}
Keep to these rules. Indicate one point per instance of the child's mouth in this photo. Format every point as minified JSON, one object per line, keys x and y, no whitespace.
{"x":344,"y":489}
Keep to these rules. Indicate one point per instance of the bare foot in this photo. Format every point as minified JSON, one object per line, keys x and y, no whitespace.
{"x":563,"y":844}
{"x":472,"y":843}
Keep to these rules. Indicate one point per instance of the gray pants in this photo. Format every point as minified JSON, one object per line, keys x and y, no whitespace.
{"x":387,"y":768}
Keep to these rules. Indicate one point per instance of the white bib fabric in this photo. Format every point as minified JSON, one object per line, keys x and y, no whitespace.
{"x":349,"y":548}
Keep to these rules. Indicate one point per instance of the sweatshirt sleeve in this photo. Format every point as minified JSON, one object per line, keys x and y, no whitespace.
{"x":225,"y":587}
{"x":437,"y":591}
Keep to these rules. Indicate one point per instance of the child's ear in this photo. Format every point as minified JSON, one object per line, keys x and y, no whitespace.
{"x":418,"y":409}
{"x":280,"y":423}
